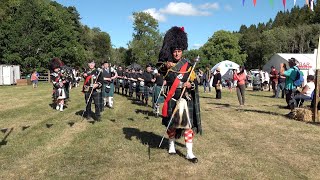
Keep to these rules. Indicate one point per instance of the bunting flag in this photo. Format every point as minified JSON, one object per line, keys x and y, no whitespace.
{"x":307,"y":2}
{"x":243,"y":2}
{"x":254,"y":2}
{"x":284,"y":3}
{"x":271,"y":3}
{"x":294,"y":2}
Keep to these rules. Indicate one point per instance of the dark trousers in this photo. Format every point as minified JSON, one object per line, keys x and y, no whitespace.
{"x":218,"y":93}
{"x":289,"y":96}
{"x":240,"y":93}
{"x":97,"y":99}
{"x":280,"y":87}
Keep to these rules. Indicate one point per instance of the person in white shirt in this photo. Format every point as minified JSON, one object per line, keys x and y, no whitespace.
{"x":305,"y":94}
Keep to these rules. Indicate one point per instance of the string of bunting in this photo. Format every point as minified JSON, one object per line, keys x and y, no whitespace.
{"x":310,"y":3}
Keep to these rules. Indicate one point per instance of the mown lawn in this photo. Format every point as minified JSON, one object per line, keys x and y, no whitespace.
{"x":252,"y":142}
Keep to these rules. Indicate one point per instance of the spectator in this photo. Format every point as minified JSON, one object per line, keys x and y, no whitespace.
{"x":305,"y":94}
{"x":290,"y":75}
{"x":217,"y":83}
{"x":34,"y":79}
{"x":206,"y":79}
{"x":281,"y":81}
{"x":274,"y":80}
{"x":240,"y":78}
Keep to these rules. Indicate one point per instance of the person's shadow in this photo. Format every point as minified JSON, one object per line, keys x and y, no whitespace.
{"x":53,"y":106}
{"x":145,"y":112}
{"x":148,"y":138}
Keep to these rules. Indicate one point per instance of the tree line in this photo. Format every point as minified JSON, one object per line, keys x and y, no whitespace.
{"x":34,"y":31}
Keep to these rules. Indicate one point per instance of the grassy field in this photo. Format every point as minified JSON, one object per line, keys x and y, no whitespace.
{"x":252,"y":142}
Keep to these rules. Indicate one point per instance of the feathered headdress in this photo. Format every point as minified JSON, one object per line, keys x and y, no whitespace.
{"x":175,"y":38}
{"x":55,"y":63}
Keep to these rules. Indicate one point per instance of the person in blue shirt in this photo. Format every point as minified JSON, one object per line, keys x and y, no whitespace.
{"x":290,"y":75}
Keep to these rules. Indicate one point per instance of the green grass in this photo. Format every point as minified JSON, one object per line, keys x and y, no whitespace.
{"x":252,"y":142}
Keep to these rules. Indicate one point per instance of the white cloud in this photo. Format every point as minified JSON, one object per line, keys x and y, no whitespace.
{"x":131,"y":18}
{"x":183,"y":9}
{"x":196,"y":46}
{"x":228,"y":8}
{"x":214,"y":6}
{"x":156,"y":14}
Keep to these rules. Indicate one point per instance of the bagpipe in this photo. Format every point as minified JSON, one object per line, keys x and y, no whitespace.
{"x":67,"y":73}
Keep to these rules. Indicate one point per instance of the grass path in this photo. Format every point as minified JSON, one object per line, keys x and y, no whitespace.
{"x":252,"y":142}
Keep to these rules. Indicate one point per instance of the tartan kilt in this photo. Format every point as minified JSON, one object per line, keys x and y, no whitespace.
{"x":146,"y":91}
{"x":155,"y":94}
{"x":194,"y":112}
{"x":126,"y":83}
{"x":106,"y":91}
{"x":59,"y":93}
{"x":139,"y":89}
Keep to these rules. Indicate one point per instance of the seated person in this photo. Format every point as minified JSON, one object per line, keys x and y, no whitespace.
{"x":305,"y":94}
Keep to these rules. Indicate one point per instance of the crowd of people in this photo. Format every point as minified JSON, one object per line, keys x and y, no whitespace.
{"x":174,"y":85}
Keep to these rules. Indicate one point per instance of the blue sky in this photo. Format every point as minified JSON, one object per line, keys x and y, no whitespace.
{"x":200,"y":18}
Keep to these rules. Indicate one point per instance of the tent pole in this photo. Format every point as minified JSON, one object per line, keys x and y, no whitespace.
{"x":317,"y":83}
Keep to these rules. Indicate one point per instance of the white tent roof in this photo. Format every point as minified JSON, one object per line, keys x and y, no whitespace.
{"x":226,"y":68}
{"x":306,"y":61}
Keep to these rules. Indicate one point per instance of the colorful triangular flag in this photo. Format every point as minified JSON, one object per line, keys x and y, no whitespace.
{"x":243,"y":2}
{"x":294,"y":2}
{"x":284,"y":3}
{"x":254,"y":2}
{"x":271,"y":3}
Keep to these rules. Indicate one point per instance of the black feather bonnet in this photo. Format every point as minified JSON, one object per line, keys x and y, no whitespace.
{"x":175,"y":38}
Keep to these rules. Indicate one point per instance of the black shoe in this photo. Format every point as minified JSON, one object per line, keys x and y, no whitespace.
{"x":193,"y":160}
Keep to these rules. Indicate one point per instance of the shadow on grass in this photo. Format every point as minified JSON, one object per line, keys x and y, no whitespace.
{"x":261,"y":95}
{"x":314,"y":123}
{"x":145,"y":112}
{"x":262,"y":112}
{"x":137,"y":102}
{"x":148,"y":138}
{"x":53,"y":105}
{"x":283,"y":107}
{"x":206,"y":97}
{"x":221,"y":104}
{"x":4,"y":141}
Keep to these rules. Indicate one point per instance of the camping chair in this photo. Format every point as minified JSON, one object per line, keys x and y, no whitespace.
{"x":309,"y":99}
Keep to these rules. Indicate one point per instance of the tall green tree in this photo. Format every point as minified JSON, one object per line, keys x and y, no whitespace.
{"x":146,"y":42}
{"x":223,"y":45}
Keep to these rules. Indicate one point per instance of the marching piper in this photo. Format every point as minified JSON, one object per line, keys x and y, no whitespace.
{"x":148,"y":84}
{"x":157,"y":97}
{"x":119,"y":82}
{"x":109,"y":74}
{"x":181,"y":108}
{"x":59,"y":83}
{"x":92,"y":90}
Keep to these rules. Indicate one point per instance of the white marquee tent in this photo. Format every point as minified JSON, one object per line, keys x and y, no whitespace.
{"x":226,"y":68}
{"x":307,"y":62}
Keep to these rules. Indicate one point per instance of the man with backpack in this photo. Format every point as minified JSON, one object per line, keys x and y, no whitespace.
{"x":294,"y":78}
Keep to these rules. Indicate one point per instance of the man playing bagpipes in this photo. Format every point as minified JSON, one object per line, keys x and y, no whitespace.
{"x":140,"y":85}
{"x":109,"y":75}
{"x":92,"y":90}
{"x":119,"y":82}
{"x":126,"y":77}
{"x":148,"y":84}
{"x":181,"y":108}
{"x":132,"y":82}
{"x":59,"y":83}
{"x":157,"y":96}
